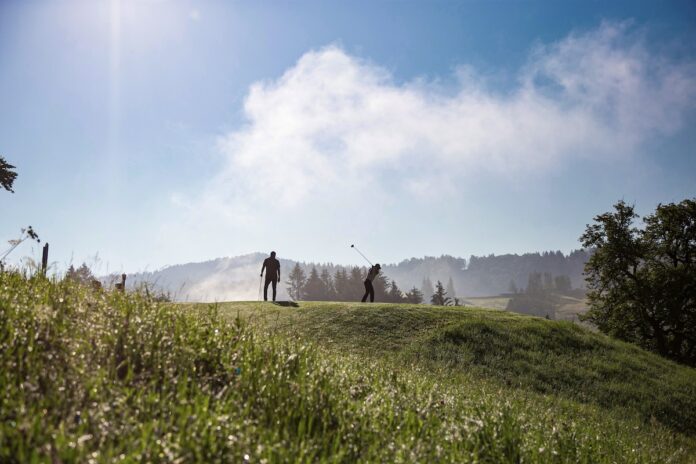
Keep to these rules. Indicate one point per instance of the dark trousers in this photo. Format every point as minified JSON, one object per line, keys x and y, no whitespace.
{"x":369,"y":290}
{"x":265,"y":288}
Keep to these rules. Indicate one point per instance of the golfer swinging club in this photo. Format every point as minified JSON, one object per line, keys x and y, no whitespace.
{"x":369,"y":289}
{"x":272,"y":266}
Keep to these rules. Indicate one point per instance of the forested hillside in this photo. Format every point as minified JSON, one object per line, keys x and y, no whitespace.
{"x":237,"y":278}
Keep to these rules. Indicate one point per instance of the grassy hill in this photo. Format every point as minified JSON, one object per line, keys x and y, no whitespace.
{"x":506,"y":349}
{"x":106,"y":377}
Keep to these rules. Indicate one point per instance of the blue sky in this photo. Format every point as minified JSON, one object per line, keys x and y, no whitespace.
{"x":159,"y":132}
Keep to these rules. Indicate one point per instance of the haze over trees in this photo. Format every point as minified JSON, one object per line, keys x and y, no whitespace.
{"x":642,"y":281}
{"x":486,"y":275}
{"x":236,"y":278}
{"x":427,"y":287}
{"x":542,"y":295}
{"x":343,"y":286}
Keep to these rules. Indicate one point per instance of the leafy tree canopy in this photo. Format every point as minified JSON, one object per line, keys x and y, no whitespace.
{"x":7,"y":175}
{"x":642,"y":281}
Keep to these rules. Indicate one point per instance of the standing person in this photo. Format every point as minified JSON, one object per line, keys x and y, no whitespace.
{"x":369,"y":289}
{"x":272,"y":266}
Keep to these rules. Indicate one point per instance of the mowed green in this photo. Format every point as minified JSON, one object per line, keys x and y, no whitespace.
{"x":91,"y":376}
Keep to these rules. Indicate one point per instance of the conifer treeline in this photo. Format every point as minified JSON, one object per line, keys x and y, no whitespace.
{"x":345,"y":285}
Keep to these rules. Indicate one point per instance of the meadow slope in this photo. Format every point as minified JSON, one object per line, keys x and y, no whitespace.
{"x":518,"y":354}
{"x":91,"y":376}
{"x":512,"y":350}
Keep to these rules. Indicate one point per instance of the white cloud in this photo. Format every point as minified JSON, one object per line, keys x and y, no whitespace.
{"x":336,"y":131}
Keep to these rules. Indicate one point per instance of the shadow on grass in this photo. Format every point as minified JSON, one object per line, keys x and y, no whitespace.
{"x":291,"y":304}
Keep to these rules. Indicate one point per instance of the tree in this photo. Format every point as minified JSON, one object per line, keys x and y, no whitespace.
{"x":414,"y":296}
{"x":7,"y":175}
{"x":642,"y":282}
{"x":356,"y":287}
{"x":440,"y":297}
{"x":329,"y":290}
{"x":395,"y":295}
{"x":341,"y":285}
{"x":82,"y":275}
{"x":314,"y":287}
{"x":296,"y":282}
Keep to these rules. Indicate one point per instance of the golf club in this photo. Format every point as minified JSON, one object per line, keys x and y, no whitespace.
{"x":356,"y":249}
{"x":260,"y":284}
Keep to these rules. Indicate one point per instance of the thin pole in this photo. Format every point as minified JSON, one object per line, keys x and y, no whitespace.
{"x":44,"y":261}
{"x":356,"y":249}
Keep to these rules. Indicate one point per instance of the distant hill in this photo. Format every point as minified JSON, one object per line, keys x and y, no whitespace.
{"x":237,"y":278}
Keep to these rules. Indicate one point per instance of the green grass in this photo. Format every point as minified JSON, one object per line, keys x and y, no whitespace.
{"x":100,"y":377}
{"x":526,"y":358}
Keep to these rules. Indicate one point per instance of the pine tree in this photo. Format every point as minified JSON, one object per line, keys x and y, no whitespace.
{"x":296,"y":282}
{"x":70,"y":272}
{"x":329,"y":290}
{"x":341,"y":285}
{"x":356,"y":288}
{"x":395,"y":295}
{"x":414,"y":296}
{"x":83,"y":274}
{"x":440,"y":297}
{"x":314,"y":287}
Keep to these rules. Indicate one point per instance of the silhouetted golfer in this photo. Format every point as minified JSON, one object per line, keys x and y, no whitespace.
{"x":272,"y":266}
{"x":369,"y":289}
